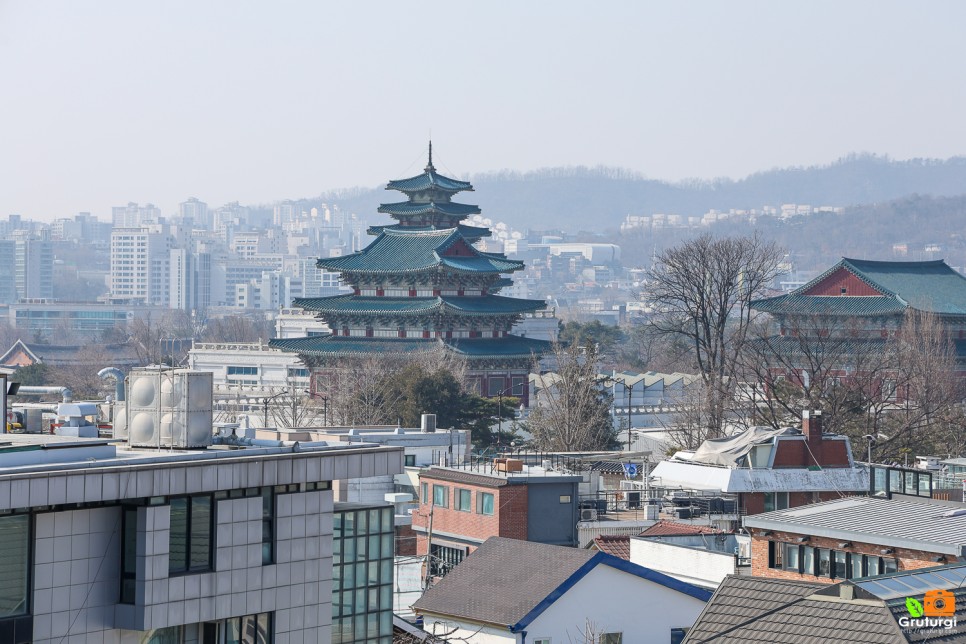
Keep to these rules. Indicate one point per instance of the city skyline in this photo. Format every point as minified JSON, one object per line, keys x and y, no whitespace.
{"x":119,"y":102}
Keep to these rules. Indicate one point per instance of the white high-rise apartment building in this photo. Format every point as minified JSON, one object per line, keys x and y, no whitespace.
{"x":190,"y":280}
{"x":133,"y":215}
{"x":33,"y":265}
{"x":197,"y":211}
{"x":140,"y":264}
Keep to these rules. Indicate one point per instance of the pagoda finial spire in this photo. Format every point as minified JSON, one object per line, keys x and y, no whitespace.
{"x":429,"y":166}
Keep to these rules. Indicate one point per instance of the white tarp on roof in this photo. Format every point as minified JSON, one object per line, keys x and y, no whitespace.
{"x":727,"y":451}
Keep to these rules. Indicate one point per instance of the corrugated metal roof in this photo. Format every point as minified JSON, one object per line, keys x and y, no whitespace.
{"x":900,"y":523}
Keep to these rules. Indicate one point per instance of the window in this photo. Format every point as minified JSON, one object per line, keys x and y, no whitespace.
{"x":464,"y":499}
{"x":169,"y":635}
{"x":611,"y":638}
{"x":677,"y":635}
{"x":565,"y":498}
{"x":855,"y":567}
{"x":424,"y":493}
{"x":776,"y":501}
{"x":839,"y":567}
{"x":242,"y":371}
{"x":824,"y":562}
{"x":774,"y":554}
{"x":873,"y":566}
{"x":268,"y":526}
{"x":808,"y":561}
{"x":541,"y":640}
{"x":251,"y":629}
{"x":445,"y":558}
{"x":14,"y":572}
{"x":889,"y":565}
{"x":484,"y":503}
{"x":410,"y":460}
{"x":441,"y":496}
{"x":129,"y":547}
{"x":792,"y":557}
{"x":190,"y":539}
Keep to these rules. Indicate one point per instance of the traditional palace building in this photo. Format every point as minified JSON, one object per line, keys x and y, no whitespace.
{"x":873,"y":296}
{"x":423,"y":286}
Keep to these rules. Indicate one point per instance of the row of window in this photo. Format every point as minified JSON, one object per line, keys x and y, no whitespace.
{"x":825,"y":562}
{"x":462,"y":499}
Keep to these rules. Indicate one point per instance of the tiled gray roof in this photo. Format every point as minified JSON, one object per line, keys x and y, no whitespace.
{"x":752,"y":610}
{"x":900,"y":523}
{"x":502,"y":581}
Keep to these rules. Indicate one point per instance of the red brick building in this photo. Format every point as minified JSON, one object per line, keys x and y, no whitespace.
{"x":855,"y":537}
{"x":460,"y":508}
{"x":769,"y":469}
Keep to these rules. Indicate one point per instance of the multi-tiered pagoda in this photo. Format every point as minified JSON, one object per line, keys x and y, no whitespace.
{"x":423,"y":286}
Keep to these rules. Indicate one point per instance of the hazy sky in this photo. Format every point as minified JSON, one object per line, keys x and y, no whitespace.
{"x":102,"y":103}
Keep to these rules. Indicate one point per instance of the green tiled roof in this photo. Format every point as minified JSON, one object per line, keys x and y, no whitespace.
{"x":926,"y":286}
{"x":399,"y":251}
{"x":829,"y":305}
{"x":427,"y":180}
{"x":409,"y":208}
{"x":469,"y":232}
{"x":510,"y":346}
{"x":331,"y":345}
{"x":403,"y":306}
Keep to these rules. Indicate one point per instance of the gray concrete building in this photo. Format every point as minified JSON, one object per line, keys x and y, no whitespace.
{"x":100,"y":542}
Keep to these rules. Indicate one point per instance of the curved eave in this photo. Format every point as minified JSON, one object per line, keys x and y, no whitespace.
{"x":468,"y":232}
{"x":511,"y":346}
{"x":409,"y":208}
{"x":335,"y":346}
{"x":472,"y":306}
{"x":428,"y":180}
{"x":830,"y":305}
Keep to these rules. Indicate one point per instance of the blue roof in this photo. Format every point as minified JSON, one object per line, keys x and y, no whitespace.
{"x":602,"y":558}
{"x":398,"y":250}
{"x":410,"y":208}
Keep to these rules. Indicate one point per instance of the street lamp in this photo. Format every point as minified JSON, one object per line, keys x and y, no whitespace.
{"x":267,"y":400}
{"x":871,"y":439}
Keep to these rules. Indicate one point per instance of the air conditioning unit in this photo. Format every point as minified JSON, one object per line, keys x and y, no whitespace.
{"x":588,"y":515}
{"x":167,"y":408}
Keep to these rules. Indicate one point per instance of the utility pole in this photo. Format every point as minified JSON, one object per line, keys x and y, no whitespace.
{"x":429,"y":544}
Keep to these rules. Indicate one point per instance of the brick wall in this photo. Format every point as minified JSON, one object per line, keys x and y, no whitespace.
{"x":509,"y":518}
{"x":908,"y":559}
{"x":405,"y":540}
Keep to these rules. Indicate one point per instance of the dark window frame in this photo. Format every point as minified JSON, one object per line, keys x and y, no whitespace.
{"x":190,"y":538}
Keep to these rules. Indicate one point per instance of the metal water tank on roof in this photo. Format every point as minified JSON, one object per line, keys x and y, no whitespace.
{"x":167,"y":408}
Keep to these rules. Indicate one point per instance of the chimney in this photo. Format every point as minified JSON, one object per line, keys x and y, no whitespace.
{"x":812,"y":430}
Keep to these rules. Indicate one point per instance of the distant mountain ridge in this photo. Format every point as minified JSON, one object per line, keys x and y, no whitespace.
{"x":582,"y":198}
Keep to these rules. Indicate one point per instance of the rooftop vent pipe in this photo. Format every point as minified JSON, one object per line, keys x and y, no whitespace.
{"x":43,"y":391}
{"x":118,"y":375}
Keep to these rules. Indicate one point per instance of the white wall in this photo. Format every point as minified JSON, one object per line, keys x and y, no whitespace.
{"x":701,"y":567}
{"x":606,"y":599}
{"x":612,"y":600}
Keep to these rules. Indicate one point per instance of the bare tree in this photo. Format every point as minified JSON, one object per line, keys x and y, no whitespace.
{"x":572,"y":409}
{"x":702,"y":291}
{"x":364,"y":391}
{"x":902,"y":389}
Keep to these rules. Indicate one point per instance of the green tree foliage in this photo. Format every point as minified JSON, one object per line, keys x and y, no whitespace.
{"x":418,"y":390}
{"x":606,"y":338}
{"x":35,"y":375}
